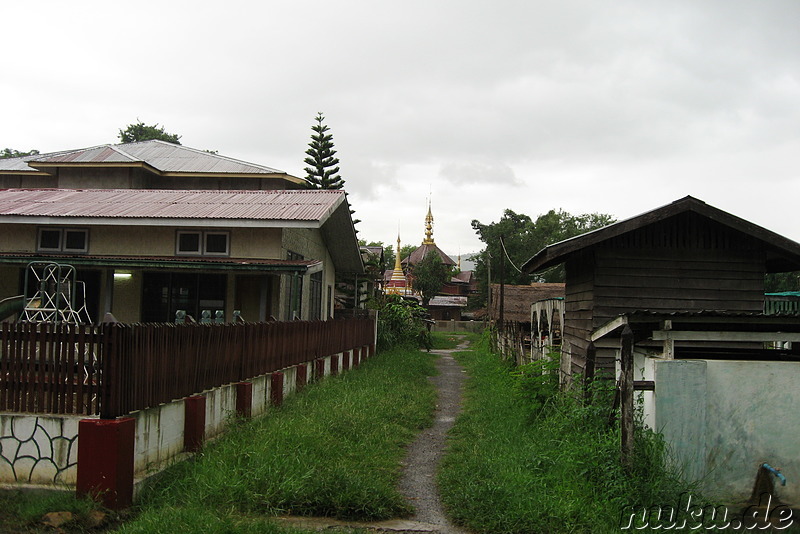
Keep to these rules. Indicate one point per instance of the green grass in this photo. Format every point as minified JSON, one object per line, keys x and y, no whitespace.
{"x":510,"y":470}
{"x":22,"y":510}
{"x":333,"y":450}
{"x":448,"y":340}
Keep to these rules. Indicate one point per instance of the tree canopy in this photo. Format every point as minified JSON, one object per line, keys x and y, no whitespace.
{"x":11,"y":153}
{"x":429,"y":276}
{"x":524,"y":237}
{"x":323,"y":165}
{"x":143,"y":132}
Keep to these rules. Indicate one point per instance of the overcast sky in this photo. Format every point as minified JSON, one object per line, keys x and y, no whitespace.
{"x":589,"y":106}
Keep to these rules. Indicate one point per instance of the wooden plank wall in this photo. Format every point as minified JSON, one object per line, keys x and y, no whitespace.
{"x":685,"y":263}
{"x":578,"y":308}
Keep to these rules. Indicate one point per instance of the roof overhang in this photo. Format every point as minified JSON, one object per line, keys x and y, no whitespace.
{"x":703,"y":326}
{"x":339,"y":234}
{"x":168,"y":262}
{"x":160,"y":221}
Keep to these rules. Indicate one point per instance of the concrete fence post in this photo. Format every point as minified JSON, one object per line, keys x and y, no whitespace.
{"x":105,"y":460}
{"x":319,"y":368}
{"x":244,"y":399}
{"x":276,"y":388}
{"x":194,"y":425}
{"x":301,"y":378}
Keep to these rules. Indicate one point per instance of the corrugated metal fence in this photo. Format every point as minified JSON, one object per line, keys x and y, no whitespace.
{"x":112,"y":370}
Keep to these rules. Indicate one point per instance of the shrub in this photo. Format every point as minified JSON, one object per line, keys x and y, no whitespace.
{"x":400,"y":322}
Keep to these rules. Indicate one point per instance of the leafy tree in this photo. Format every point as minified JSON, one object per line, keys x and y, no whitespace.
{"x":323,"y":165}
{"x":11,"y":153}
{"x":780,"y":282}
{"x":142,"y":132}
{"x":429,"y":276}
{"x":523,"y":238}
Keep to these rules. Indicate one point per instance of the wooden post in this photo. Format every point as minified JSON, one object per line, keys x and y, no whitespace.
{"x":588,"y":371}
{"x":500,"y":318}
{"x":626,"y":394}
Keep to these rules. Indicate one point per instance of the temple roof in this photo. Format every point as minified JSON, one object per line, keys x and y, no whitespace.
{"x":423,"y":250}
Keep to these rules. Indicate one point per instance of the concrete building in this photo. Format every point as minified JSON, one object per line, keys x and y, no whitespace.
{"x":152,"y":228}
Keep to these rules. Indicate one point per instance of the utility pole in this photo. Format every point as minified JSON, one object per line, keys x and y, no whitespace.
{"x":502,"y":283}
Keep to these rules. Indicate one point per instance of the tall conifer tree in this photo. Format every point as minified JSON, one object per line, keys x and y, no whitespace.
{"x":323,"y":165}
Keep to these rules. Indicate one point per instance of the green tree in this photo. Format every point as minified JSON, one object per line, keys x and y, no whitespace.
{"x":780,"y":282}
{"x":523,"y":238}
{"x":11,"y":153}
{"x":429,"y":276}
{"x":323,"y":165}
{"x":142,"y":132}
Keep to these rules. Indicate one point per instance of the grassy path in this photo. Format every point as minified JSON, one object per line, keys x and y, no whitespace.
{"x":333,"y":451}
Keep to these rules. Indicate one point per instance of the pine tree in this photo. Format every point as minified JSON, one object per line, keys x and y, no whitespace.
{"x":323,"y":165}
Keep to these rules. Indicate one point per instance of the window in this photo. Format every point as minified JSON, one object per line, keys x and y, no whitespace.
{"x":189,"y":243}
{"x":63,"y":240}
{"x":216,"y":243}
{"x":202,"y":243}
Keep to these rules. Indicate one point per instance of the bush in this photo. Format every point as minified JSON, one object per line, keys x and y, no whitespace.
{"x":401,"y":322}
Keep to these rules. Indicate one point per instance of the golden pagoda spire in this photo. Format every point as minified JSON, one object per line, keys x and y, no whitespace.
{"x":397,"y":266}
{"x":428,"y":227}
{"x":397,"y":285}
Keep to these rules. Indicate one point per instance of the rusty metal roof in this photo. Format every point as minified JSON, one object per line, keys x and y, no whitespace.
{"x":159,"y":155}
{"x":281,"y":205}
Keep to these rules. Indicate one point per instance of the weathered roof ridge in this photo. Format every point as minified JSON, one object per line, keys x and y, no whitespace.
{"x":150,"y":152}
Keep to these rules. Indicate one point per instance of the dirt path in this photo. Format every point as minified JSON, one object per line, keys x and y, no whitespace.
{"x":418,"y":483}
{"x":419,"y":476}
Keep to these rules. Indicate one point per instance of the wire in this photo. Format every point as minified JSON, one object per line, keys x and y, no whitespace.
{"x":503,"y":244}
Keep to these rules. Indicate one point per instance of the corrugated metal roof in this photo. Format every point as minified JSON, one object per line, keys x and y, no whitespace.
{"x":284,"y":205}
{"x":163,"y":156}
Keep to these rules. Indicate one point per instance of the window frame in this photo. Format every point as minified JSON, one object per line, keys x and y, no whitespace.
{"x":62,"y":240}
{"x":202,"y":243}
{"x":227,"y":235}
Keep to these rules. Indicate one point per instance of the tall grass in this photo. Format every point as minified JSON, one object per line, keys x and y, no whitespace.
{"x":333,"y":450}
{"x":521,"y":463}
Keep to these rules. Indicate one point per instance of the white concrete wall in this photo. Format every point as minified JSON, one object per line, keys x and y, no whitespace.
{"x":723,"y":419}
{"x":38,"y":449}
{"x":43,"y":449}
{"x":159,"y":435}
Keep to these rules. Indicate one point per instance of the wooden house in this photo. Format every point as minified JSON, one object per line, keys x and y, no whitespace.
{"x":682,"y":287}
{"x":687,"y":256}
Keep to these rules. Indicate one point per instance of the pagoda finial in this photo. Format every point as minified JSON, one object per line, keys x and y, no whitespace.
{"x":428,"y":226}
{"x":397,"y":266}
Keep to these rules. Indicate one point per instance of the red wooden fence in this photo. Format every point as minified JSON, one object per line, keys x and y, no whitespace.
{"x":113,"y":370}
